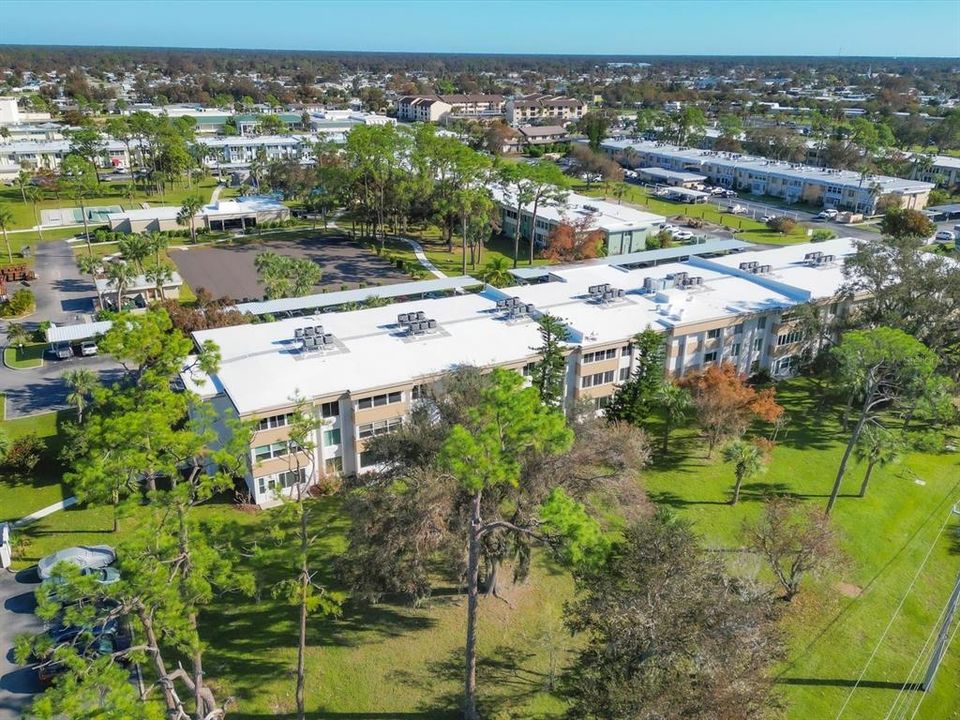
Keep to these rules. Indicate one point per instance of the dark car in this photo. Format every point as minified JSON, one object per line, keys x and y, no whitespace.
{"x":97,"y":641}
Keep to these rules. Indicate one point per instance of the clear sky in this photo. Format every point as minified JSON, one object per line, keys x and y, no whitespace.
{"x":678,"y":27}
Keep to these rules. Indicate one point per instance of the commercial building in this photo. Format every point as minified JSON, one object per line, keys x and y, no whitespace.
{"x":139,"y":292}
{"x":840,"y":189}
{"x":537,"y":109}
{"x":238,"y":214}
{"x":734,"y":308}
{"x":625,"y":229}
{"x":434,"y":108}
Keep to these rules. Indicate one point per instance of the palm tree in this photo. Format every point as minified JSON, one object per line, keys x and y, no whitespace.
{"x":188,"y":213}
{"x":6,"y":220}
{"x":159,"y":274}
{"x":81,"y":383}
{"x":89,"y":265}
{"x":676,"y":403}
{"x":497,"y":272}
{"x":120,"y":274}
{"x":35,"y":195}
{"x":135,"y":249}
{"x":878,"y":447}
{"x":748,"y":460}
{"x":158,"y":242}
{"x":17,"y":335}
{"x":23,"y":181}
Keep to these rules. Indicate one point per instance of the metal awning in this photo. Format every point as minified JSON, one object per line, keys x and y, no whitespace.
{"x":80,"y":331}
{"x":359,"y":295}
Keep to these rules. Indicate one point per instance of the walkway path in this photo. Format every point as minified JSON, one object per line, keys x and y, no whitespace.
{"x":216,"y":194}
{"x":48,"y":510}
{"x":421,"y":256}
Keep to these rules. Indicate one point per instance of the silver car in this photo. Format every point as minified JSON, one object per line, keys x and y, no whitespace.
{"x":85,"y":557}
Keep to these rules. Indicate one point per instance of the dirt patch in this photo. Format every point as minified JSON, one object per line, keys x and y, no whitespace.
{"x":849,"y":590}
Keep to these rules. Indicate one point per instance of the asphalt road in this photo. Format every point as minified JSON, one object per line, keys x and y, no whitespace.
{"x":17,"y":684}
{"x":63,"y":296}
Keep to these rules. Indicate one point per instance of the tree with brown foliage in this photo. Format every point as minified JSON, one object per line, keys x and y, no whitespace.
{"x":570,"y":242}
{"x":207,"y":314}
{"x":725,"y":404}
{"x":669,"y":635}
{"x":796,"y":541}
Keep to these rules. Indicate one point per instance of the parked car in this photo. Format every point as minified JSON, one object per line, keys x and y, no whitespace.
{"x":828,"y":214}
{"x":683,"y":235}
{"x":730,"y":194}
{"x":717,"y":191}
{"x":86,"y":557}
{"x":945,"y":236}
{"x":737,"y":209}
{"x":767,"y":218}
{"x":103,"y":638}
{"x":103,"y":576}
{"x":88,"y":347}
{"x":63,"y":351}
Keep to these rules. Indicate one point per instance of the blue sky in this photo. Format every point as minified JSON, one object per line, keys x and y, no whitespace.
{"x":680,"y":27}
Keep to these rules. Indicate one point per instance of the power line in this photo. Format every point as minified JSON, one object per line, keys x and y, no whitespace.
{"x":893,"y":617}
{"x":924,"y":695}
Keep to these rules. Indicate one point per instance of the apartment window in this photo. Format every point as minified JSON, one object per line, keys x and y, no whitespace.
{"x":419,"y":392}
{"x":735,"y":350}
{"x":287,"y":479}
{"x":794,"y":336}
{"x":528,"y":369}
{"x":380,"y":427}
{"x":333,"y":465}
{"x":624,"y":374}
{"x":379,"y":400}
{"x":713,"y":334}
{"x":738,"y":329}
{"x":274,"y":421}
{"x":330,"y":409}
{"x":331,"y":437}
{"x":367,"y":459}
{"x":758,"y":344}
{"x":273,"y":450}
{"x":626,"y":350}
{"x":833,"y":308}
{"x":710,"y":356}
{"x":597,"y":379}
{"x":786,"y":364}
{"x":599,"y":355}
{"x":601,"y":403}
{"x":762,"y":322}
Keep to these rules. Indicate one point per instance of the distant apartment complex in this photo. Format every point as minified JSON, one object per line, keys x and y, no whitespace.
{"x":539,"y":109}
{"x":434,"y":108}
{"x":793,"y":182}
{"x":625,"y":229}
{"x":732,"y":308}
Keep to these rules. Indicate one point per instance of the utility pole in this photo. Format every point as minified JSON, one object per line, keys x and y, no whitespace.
{"x":943,"y":636}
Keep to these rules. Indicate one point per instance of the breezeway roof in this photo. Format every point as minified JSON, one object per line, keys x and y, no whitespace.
{"x":80,"y":331}
{"x":342,"y":297}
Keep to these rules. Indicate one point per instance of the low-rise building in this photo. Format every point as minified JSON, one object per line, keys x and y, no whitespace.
{"x":625,"y":229}
{"x":139,"y":292}
{"x":540,"y":108}
{"x":673,"y":178}
{"x":49,"y":154}
{"x":238,"y":214}
{"x":434,"y":108}
{"x":942,"y":170}
{"x":735,"y":308}
{"x":543,"y":134}
{"x":793,"y":182}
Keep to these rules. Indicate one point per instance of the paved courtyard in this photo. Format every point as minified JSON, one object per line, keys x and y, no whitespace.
{"x":228,"y":270}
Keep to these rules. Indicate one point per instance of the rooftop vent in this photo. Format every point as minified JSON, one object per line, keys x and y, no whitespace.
{"x":514,"y":308}
{"x":605,"y":293}
{"x":416,"y":323}
{"x":653,"y":285}
{"x":313,"y":338}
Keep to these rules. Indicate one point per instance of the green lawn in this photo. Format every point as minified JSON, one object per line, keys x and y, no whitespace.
{"x":28,"y":356}
{"x":108,"y":194}
{"x":20,"y":496}
{"x":745,"y":228}
{"x":392,"y":660}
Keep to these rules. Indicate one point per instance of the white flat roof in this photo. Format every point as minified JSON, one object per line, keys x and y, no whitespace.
{"x":261,"y":368}
{"x":79,"y":331}
{"x":138,"y":282}
{"x":603,"y":214}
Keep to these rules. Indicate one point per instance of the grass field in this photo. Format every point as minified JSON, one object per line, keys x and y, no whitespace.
{"x":21,"y":496}
{"x":107,"y":194}
{"x":28,"y":356}
{"x":395,"y":661}
{"x":746,"y":229}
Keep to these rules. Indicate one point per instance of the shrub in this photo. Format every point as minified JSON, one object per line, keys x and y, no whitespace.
{"x":20,"y":302}
{"x":822,"y":235}
{"x":782,"y":224}
{"x":24,"y":453}
{"x":927,"y":441}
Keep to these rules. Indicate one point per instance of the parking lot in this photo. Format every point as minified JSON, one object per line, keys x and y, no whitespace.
{"x":228,"y":270}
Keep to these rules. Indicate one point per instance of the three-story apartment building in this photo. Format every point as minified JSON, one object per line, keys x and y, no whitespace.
{"x":361,"y":372}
